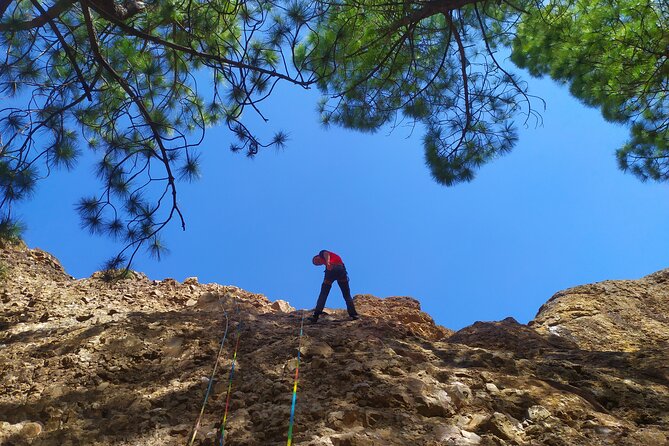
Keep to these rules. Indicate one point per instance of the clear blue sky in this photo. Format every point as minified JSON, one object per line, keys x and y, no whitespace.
{"x":554,"y":213}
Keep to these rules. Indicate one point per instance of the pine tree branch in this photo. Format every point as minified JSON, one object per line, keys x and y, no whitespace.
{"x":121,"y":11}
{"x":429,"y":9}
{"x":68,"y":51}
{"x":515,"y":7}
{"x":465,"y":81}
{"x":440,"y":67}
{"x":193,"y":52}
{"x":4,"y":4}
{"x":57,"y":9}
{"x":486,"y":40}
{"x":379,"y":65}
{"x":435,"y":6}
{"x":142,"y":108}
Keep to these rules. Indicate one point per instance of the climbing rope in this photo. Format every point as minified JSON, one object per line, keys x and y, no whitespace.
{"x":297,"y":372}
{"x":211,"y":380}
{"x":232,"y":374}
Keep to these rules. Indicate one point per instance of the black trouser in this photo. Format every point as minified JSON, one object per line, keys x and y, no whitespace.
{"x":338,"y":273}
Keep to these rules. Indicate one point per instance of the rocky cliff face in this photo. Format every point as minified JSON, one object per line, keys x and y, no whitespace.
{"x":622,"y":315}
{"x":85,"y":362}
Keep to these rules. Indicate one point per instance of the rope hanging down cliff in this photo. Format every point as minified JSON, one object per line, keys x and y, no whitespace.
{"x":297,"y":371}
{"x":223,"y":423}
{"x":231,"y":376}
{"x":211,"y":380}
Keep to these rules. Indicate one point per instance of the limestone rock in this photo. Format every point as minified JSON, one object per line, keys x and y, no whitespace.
{"x":405,"y":313}
{"x":127,"y":363}
{"x":453,"y":436}
{"x":626,"y":315}
{"x":538,"y":413}
{"x":317,"y":348}
{"x":282,"y":306}
{"x":506,"y":428}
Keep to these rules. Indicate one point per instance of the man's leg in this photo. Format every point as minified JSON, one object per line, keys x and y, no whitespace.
{"x":346,"y":292}
{"x":320,"y":304}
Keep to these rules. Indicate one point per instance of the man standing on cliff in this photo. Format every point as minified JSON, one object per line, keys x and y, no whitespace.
{"x":334,"y":270}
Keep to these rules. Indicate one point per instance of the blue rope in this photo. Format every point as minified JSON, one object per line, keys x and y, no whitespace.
{"x":211,"y":380}
{"x":297,"y":374}
{"x":230,"y":377}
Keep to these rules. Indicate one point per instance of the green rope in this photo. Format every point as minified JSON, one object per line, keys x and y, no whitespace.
{"x":297,"y":373}
{"x":211,"y":381}
{"x":229,"y":392}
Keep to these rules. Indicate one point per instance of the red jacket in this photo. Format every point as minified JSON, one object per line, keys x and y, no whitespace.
{"x":330,"y":259}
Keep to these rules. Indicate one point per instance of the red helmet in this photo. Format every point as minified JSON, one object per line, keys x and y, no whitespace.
{"x":318,"y":260}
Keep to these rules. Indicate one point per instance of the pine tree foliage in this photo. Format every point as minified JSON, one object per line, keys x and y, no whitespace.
{"x":613,"y":55}
{"x":433,"y":63}
{"x":120,"y":79}
{"x":439,"y":63}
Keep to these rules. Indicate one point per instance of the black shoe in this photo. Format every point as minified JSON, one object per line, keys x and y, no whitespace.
{"x":312,"y":319}
{"x":354,"y":317}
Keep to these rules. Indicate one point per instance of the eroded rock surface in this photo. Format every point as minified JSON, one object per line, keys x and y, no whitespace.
{"x":85,"y":362}
{"x":615,"y":315}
